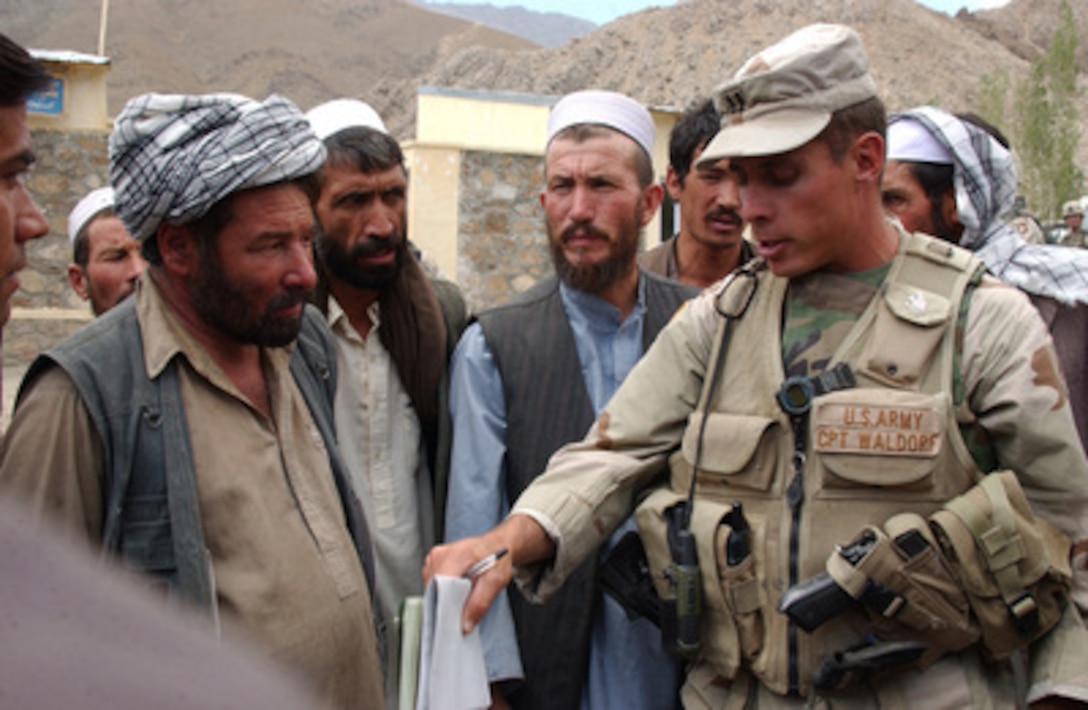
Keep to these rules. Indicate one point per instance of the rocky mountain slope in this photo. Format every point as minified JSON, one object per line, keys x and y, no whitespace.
{"x":548,"y":29}
{"x":309,"y":51}
{"x":1025,"y":26}
{"x":667,"y":56}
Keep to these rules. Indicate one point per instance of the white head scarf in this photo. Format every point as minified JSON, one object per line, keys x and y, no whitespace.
{"x":985,"y":180}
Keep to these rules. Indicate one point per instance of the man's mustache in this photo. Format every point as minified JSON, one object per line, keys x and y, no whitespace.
{"x":581,"y":230}
{"x":290,"y":298}
{"x":725,"y":213}
{"x":372,"y":246}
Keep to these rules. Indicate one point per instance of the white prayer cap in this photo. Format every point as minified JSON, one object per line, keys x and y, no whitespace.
{"x":909,"y":141}
{"x":606,"y":108}
{"x":87,"y":209}
{"x":336,"y":115}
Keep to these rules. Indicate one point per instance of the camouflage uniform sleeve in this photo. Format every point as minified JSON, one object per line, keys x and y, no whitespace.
{"x":1016,"y":392}
{"x":589,"y":486}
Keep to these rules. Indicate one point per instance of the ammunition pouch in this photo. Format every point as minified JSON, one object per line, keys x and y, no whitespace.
{"x":1013,"y":567}
{"x":906,"y":588}
{"x":983,"y":569}
{"x":732,"y":628}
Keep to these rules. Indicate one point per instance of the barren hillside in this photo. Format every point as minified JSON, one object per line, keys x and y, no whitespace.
{"x":1025,"y":26}
{"x":667,"y":56}
{"x":382,"y":50}
{"x":308,"y":51}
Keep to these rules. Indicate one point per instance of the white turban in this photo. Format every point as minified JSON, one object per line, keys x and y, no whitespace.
{"x":606,"y":108}
{"x":87,"y":209}
{"x":340,"y":114}
{"x":910,"y":142}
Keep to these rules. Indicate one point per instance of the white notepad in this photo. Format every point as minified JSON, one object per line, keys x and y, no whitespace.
{"x":452,"y":674}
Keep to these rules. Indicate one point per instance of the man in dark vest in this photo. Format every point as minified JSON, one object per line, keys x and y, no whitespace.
{"x":394,"y":329}
{"x":189,"y":430}
{"x":531,"y":375}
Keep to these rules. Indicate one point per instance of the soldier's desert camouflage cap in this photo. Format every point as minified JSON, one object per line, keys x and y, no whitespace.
{"x":1073,"y":207}
{"x":784,"y":96}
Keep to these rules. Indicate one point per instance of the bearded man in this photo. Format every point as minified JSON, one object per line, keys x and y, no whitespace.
{"x":532,"y":375}
{"x":394,"y":330}
{"x":189,"y":430}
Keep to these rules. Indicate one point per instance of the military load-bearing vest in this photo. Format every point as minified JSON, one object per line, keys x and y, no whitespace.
{"x":888,"y":444}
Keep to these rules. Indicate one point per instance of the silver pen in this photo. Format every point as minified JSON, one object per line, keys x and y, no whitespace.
{"x":485,"y":564}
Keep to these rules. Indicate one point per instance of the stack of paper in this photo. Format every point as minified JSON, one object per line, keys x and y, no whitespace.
{"x":442,"y":667}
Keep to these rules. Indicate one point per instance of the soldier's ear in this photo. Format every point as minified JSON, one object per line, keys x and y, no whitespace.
{"x":868,"y":156}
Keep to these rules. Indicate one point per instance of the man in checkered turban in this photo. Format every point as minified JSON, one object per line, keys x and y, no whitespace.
{"x":189,"y":430}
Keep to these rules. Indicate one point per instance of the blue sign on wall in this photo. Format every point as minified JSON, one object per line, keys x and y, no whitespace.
{"x":49,"y":101}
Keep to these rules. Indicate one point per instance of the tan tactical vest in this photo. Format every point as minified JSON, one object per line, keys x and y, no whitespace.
{"x":888,"y":445}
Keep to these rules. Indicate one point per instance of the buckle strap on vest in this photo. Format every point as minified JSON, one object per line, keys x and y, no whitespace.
{"x":1001,"y":549}
{"x":731,"y":303}
{"x":842,"y":567}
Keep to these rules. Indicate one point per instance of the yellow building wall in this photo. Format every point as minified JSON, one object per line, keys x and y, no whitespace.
{"x":84,"y":87}
{"x":433,"y":172}
{"x":451,"y":121}
{"x":504,"y":123}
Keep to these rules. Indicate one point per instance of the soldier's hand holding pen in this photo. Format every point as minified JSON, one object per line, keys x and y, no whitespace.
{"x":488,"y":560}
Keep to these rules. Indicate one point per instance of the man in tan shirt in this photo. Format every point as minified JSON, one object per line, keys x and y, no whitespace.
{"x":709,"y":241}
{"x":189,"y":430}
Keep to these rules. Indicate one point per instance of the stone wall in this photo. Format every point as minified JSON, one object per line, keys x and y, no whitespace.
{"x":47,"y":309}
{"x":69,"y":166}
{"x":502,"y":248}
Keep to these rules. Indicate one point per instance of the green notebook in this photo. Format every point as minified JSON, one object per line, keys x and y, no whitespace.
{"x":405,"y":649}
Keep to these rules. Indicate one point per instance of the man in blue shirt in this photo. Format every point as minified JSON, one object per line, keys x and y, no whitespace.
{"x":532,"y":375}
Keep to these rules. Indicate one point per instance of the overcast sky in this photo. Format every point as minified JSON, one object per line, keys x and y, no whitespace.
{"x":603,"y":11}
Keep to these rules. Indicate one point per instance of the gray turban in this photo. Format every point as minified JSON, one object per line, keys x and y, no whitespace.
{"x":173,"y":157}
